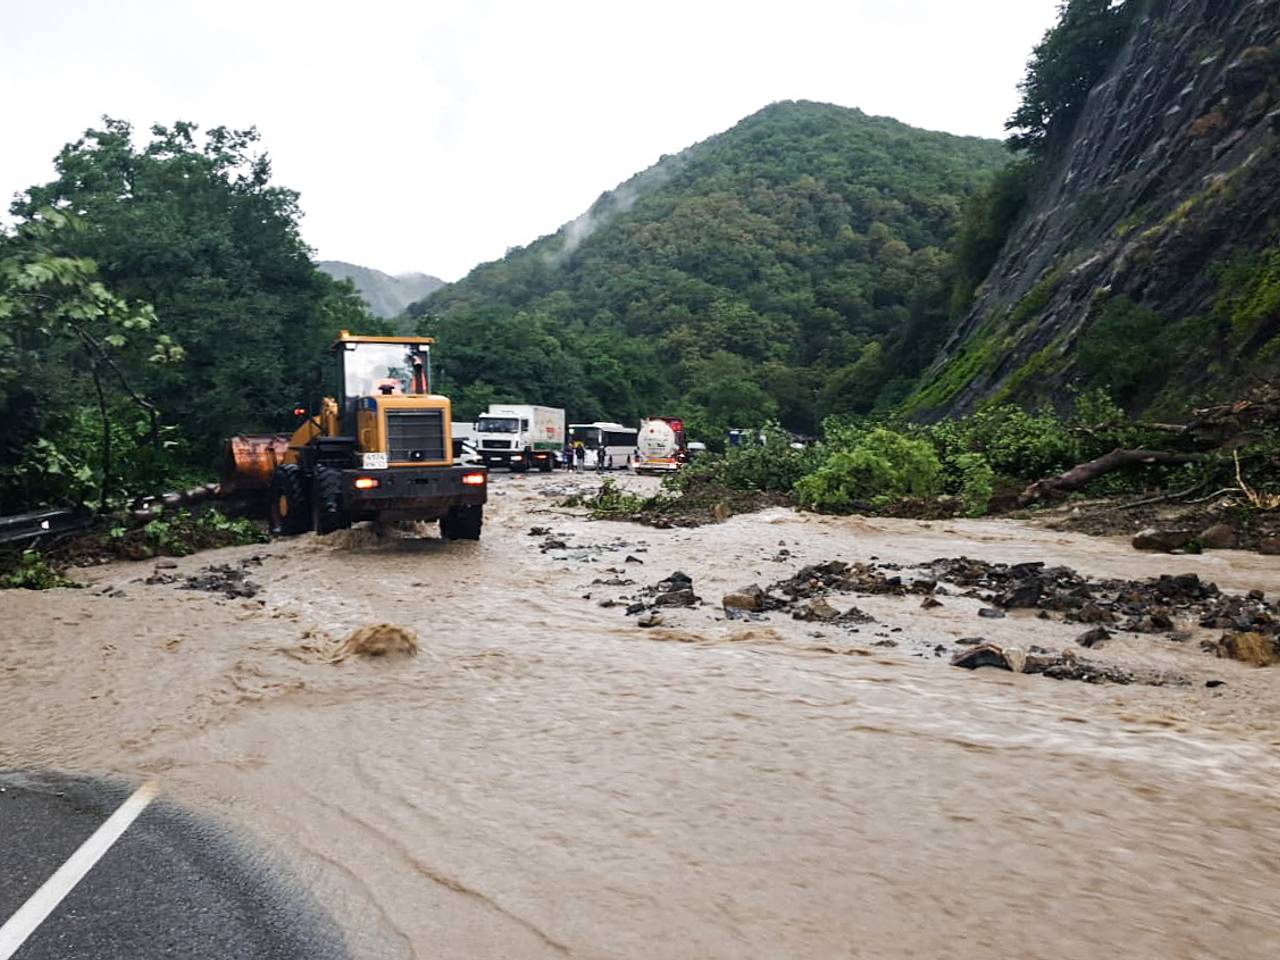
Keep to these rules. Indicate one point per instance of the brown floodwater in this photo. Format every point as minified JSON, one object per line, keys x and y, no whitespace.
{"x":547,"y":779}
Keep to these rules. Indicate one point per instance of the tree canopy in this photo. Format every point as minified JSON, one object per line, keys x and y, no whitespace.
{"x":183,"y":237}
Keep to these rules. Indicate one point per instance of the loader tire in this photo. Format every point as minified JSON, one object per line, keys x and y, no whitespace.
{"x":289,"y":513}
{"x":462,"y":523}
{"x":327,"y":514}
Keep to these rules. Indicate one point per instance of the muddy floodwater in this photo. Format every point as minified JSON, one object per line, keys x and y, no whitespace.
{"x":548,"y":779}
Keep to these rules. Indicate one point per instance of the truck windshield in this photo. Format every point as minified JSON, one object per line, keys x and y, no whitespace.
{"x":498,"y":425}
{"x":371,"y":369}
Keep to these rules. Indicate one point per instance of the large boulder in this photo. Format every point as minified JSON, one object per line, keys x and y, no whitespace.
{"x":1220,"y":536}
{"x":1162,"y":541}
{"x":748,"y":598}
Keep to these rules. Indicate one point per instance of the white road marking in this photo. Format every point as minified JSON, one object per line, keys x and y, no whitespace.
{"x":36,"y":910}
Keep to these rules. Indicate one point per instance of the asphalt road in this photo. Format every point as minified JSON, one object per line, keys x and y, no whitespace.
{"x":173,"y":885}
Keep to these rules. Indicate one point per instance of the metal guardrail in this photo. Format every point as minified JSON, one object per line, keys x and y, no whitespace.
{"x":39,"y":523}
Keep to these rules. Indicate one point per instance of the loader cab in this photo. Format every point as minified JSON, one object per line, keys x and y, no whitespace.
{"x":379,"y":367}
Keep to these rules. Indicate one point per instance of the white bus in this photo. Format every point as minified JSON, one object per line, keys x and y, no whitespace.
{"x":619,"y":443}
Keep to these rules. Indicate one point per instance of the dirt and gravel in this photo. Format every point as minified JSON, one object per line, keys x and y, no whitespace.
{"x":784,"y":762}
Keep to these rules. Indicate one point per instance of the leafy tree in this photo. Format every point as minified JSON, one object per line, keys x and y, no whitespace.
{"x":1073,"y":56}
{"x":193,"y":226}
{"x":71,"y":352}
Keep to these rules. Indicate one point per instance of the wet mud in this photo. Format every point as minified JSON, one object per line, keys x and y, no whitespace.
{"x":549,"y":778}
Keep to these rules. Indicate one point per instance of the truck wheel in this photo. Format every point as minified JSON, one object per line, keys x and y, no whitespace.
{"x":545,"y":465}
{"x":521,"y":467}
{"x":289,"y":501}
{"x":327,"y":514}
{"x":462,"y":523}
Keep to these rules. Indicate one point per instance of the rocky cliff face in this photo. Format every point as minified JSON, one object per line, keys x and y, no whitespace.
{"x":1148,"y":259}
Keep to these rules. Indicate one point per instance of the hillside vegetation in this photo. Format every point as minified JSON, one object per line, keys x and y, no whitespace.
{"x":775,"y":270}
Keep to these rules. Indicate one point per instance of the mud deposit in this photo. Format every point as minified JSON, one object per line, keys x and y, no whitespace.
{"x":547,"y":778}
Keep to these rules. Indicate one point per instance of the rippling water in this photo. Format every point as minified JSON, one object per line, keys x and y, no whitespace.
{"x":548,"y":779}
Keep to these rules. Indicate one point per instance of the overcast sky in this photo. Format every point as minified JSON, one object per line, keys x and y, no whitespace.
{"x":432,"y":136}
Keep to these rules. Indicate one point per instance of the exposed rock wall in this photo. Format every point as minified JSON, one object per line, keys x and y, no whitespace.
{"x":1171,"y":171}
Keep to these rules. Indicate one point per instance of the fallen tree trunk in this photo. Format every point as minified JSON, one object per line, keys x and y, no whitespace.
{"x":1085,"y":473}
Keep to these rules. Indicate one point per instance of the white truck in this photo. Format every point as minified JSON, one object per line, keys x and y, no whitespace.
{"x":520,"y":436}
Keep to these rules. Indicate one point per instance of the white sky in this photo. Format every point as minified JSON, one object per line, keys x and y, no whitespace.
{"x":432,"y":136}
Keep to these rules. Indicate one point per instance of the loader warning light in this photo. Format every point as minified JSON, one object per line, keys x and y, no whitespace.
{"x":366,"y":483}
{"x":299,"y":411}
{"x":473,"y":479}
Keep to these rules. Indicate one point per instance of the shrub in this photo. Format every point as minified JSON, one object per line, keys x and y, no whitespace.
{"x":772,"y":466}
{"x":182,"y":534}
{"x":33,"y":573}
{"x":977,"y":482}
{"x":881,"y":463}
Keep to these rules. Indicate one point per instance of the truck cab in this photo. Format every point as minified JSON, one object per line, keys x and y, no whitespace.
{"x":520,"y":436}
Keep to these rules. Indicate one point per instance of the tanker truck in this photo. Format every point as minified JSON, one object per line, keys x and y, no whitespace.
{"x":661,"y":445}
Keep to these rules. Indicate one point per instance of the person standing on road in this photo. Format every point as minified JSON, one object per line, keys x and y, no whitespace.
{"x":580,"y":451}
{"x":600,"y":459}
{"x":566,"y":458}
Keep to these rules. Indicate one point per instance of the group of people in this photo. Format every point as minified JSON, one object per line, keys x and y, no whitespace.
{"x":575,"y":457}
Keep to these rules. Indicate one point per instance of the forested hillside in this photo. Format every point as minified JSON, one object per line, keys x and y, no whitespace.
{"x":789,"y":267}
{"x":386,"y":296}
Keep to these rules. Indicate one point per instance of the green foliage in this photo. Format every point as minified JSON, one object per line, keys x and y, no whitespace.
{"x":610,"y":502}
{"x":1248,"y":301}
{"x":988,"y":220}
{"x":977,"y":482}
{"x":1073,"y":56}
{"x":780,"y":270}
{"x":183,"y":533}
{"x":178,"y":293}
{"x":773,"y":466}
{"x":880,"y":464}
{"x":33,"y":573}
{"x":1127,"y":351}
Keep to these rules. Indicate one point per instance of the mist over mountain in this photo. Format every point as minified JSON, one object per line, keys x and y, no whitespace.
{"x":386,"y":295}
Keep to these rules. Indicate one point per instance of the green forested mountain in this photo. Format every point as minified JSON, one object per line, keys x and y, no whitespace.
{"x":386,"y":295}
{"x":783,"y":268}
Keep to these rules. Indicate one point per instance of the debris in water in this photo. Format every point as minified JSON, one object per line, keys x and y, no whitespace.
{"x":223,"y":578}
{"x":378,"y":640}
{"x":1094,"y":638}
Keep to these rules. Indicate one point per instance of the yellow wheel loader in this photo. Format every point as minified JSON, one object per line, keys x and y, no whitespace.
{"x":382,"y":449}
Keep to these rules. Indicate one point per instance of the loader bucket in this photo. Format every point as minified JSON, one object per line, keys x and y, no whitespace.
{"x":250,"y":461}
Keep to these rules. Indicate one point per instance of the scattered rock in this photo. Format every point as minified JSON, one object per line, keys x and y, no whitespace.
{"x":817,"y":609}
{"x":1162,"y":541}
{"x":635,"y":608}
{"x":983,"y":655}
{"x":991,"y":613}
{"x":1094,"y":638}
{"x":539,"y":531}
{"x":651,"y":619}
{"x":930,"y":603}
{"x":1220,"y":536}
{"x":677,"y":581}
{"x":225,"y":579}
{"x":678,"y":598}
{"x":1253,"y":648}
{"x":1270,"y":546}
{"x":552,"y":544}
{"x":1214,"y":684}
{"x":748,"y":598}
{"x":971,"y":641}
{"x":632,"y":559}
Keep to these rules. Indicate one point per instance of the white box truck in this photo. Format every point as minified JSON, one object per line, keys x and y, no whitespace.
{"x":520,"y":436}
